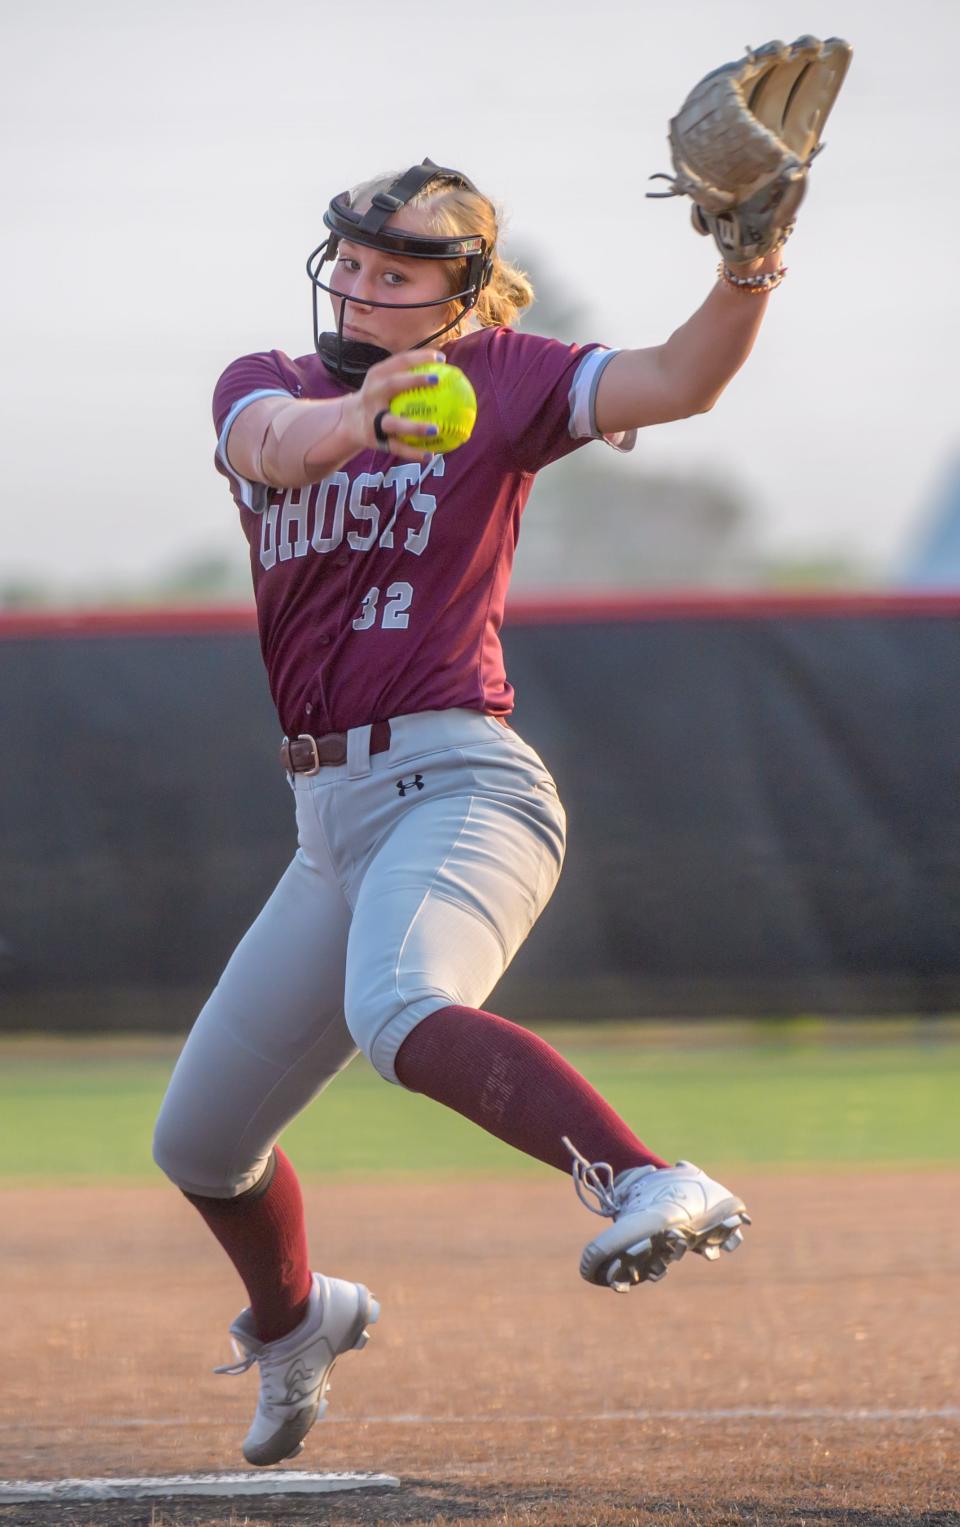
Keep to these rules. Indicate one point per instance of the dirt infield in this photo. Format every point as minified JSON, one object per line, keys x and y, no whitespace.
{"x":810,"y":1379}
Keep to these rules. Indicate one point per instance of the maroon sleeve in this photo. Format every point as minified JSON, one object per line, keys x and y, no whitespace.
{"x":270,"y":371}
{"x":532,"y":378}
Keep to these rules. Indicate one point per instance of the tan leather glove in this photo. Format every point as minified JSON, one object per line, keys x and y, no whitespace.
{"x":745,"y":137}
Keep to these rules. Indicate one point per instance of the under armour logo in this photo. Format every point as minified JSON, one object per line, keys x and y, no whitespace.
{"x":415,"y":783}
{"x":674,"y":1193}
{"x":300,"y":1381}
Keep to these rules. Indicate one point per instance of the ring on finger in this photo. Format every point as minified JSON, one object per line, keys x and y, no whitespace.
{"x":378,"y":427}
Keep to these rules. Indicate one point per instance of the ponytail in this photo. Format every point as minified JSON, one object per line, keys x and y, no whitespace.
{"x":453,"y":210}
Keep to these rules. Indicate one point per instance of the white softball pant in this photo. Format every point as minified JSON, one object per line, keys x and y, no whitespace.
{"x":419,"y":873}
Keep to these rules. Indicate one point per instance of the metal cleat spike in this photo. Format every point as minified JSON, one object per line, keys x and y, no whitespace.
{"x":731,"y":1222}
{"x":710,"y":1253}
{"x":734,"y":1239}
{"x":745,"y":1218}
{"x":640,"y":1249}
{"x":361,"y":1341}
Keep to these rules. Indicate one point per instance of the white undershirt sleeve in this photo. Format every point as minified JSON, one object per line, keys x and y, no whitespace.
{"x":583,"y":399}
{"x":250,"y":493}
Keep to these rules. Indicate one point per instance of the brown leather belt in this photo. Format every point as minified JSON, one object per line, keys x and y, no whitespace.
{"x":308,"y":755}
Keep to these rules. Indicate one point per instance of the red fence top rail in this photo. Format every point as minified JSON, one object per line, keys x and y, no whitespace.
{"x":197,"y":620}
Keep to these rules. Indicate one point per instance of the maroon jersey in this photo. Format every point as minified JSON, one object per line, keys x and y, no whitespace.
{"x":380,"y":590}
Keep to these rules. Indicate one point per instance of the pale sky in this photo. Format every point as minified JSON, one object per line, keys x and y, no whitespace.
{"x":165,"y":169}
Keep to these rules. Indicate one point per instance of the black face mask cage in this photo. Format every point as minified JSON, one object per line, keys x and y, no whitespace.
{"x":368,"y":229}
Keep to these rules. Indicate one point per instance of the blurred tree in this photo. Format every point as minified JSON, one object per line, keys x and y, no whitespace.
{"x":823,"y":570}
{"x":24,"y":594}
{"x":204,"y":575}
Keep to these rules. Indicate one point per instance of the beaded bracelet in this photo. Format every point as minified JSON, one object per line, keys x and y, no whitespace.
{"x":753,"y":286}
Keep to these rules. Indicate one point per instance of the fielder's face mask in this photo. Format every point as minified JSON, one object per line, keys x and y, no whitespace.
{"x":350,"y":360}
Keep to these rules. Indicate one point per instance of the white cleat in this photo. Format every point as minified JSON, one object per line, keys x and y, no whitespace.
{"x":658,"y":1216}
{"x":295,"y":1371}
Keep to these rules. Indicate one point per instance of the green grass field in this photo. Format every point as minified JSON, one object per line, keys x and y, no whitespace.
{"x":74,"y":1110}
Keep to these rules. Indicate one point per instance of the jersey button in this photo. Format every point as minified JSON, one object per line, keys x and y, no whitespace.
{"x":308,"y":708}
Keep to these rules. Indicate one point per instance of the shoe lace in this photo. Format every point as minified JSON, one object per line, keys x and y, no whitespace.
{"x":247,"y":1360}
{"x":273,"y":1377}
{"x":596,"y":1178}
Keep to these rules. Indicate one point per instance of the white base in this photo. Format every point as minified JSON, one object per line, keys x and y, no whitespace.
{"x":171,"y":1486}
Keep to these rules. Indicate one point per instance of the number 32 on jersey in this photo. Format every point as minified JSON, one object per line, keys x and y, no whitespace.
{"x":394,"y":615}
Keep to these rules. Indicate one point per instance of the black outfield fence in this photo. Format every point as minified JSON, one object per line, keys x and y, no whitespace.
{"x":762,"y":795}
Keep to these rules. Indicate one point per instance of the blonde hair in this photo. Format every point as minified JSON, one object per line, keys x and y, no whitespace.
{"x":454,"y":211}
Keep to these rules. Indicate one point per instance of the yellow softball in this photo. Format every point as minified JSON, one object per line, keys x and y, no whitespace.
{"x":450,"y":404}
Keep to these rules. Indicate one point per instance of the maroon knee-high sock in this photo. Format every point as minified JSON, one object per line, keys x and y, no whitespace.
{"x":515,"y":1086}
{"x":264,"y":1235}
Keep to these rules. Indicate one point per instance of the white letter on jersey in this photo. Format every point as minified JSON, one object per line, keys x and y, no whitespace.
{"x":362,"y":511}
{"x":268,"y":533}
{"x":425,"y":504}
{"x":294,"y":513}
{"x":401,"y":478}
{"x":340,"y":482}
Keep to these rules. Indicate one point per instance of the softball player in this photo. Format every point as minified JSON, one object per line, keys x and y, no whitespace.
{"x":430,"y":835}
